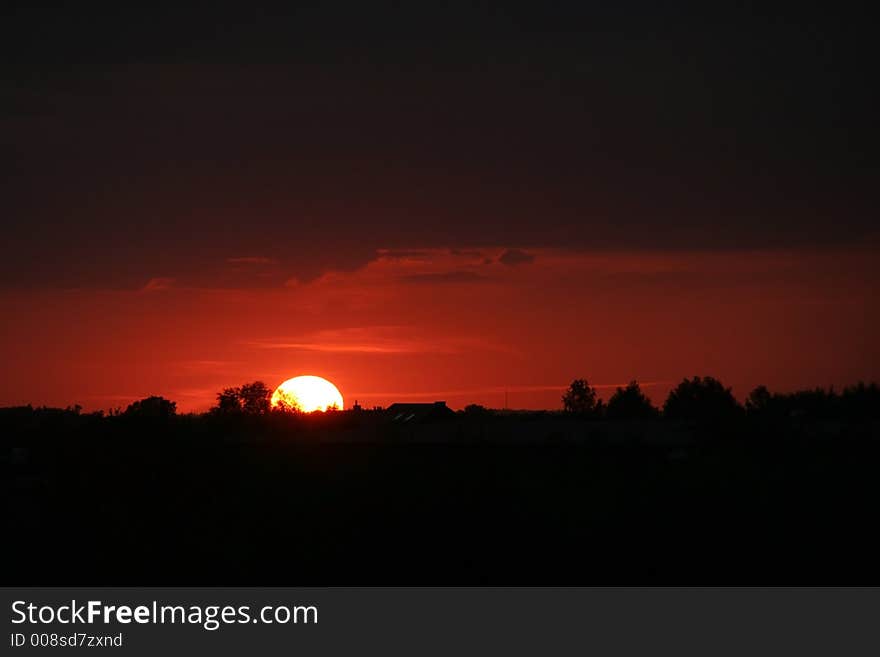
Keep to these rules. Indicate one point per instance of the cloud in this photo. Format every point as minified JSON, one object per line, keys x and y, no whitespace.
{"x":157,"y":284}
{"x":364,"y":340}
{"x":514,"y":257}
{"x":375,"y":340}
{"x":340,"y":348}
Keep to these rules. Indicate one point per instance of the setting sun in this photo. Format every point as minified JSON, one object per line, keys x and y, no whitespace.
{"x":307,"y":394}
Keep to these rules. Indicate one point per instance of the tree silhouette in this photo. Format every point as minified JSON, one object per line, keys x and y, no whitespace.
{"x":861,"y":401}
{"x":284,"y":405}
{"x":858,"y":402}
{"x":228,"y":401}
{"x":759,"y":403}
{"x":703,"y":399}
{"x":580,"y":398}
{"x":151,"y":408}
{"x":255,"y":398}
{"x":630,"y":403}
{"x":815,"y":404}
{"x":249,"y":399}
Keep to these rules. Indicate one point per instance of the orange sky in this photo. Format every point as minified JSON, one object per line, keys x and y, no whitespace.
{"x":459,"y":325}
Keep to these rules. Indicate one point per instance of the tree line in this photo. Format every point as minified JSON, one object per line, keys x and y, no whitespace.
{"x":702,"y":399}
{"x":706,"y":398}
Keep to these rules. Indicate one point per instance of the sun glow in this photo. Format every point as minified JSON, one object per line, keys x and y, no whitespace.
{"x":307,"y":394}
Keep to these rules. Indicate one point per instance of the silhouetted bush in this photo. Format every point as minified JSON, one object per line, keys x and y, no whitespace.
{"x":476,"y":410}
{"x":815,"y":404}
{"x":285,"y":407}
{"x":151,"y":408}
{"x":702,"y":399}
{"x":763,"y":405}
{"x":861,"y":401}
{"x":630,"y":403}
{"x":759,"y":402}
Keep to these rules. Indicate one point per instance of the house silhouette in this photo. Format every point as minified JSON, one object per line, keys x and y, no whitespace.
{"x":437,"y":411}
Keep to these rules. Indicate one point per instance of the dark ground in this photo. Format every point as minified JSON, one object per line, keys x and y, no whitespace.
{"x":200,"y":502}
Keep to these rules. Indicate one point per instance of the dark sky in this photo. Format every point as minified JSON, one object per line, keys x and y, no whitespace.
{"x":140,"y":143}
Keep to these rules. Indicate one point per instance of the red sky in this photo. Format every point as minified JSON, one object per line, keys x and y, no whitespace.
{"x":459,"y":325}
{"x":196,"y":199}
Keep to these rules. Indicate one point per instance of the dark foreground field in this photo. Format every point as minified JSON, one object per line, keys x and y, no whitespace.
{"x":512,"y":501}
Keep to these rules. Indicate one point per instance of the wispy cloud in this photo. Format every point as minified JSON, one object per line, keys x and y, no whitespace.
{"x":372,"y":340}
{"x":366,"y":340}
{"x":364,"y":348}
{"x":157,"y":284}
{"x":515,"y":257}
